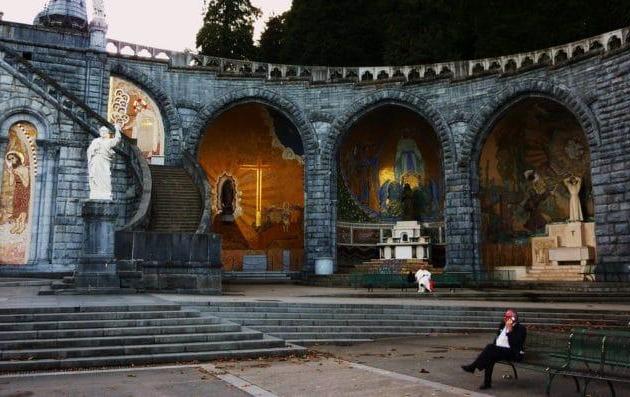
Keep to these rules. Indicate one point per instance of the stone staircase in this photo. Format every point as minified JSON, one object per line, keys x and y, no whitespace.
{"x":175,"y":203}
{"x":261,"y":277}
{"x":45,"y":338}
{"x":402,"y":266}
{"x":554,"y":273}
{"x":307,"y":324}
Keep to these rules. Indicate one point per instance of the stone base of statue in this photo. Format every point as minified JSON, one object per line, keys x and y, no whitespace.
{"x":567,"y":252}
{"x":97,"y":269}
{"x":187,"y":263}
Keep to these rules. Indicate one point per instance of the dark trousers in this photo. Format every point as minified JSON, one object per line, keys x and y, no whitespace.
{"x":488,"y":357}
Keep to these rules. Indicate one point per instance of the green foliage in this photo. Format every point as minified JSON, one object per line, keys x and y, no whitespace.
{"x":347,"y":208}
{"x":404,"y":32}
{"x":228,"y":29}
{"x":272,"y":40}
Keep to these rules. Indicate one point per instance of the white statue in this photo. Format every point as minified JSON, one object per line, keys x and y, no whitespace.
{"x":100,"y":155}
{"x":573,"y":184}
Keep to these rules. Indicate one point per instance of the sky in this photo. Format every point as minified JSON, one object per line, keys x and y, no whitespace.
{"x":172,"y":25}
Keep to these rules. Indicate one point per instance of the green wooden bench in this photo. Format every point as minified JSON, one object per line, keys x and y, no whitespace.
{"x":587,"y":354}
{"x":385,"y":279}
{"x":450,"y":279}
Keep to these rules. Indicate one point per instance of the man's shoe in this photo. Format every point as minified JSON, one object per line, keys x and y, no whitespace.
{"x":469,"y":368}
{"x":485,"y":386}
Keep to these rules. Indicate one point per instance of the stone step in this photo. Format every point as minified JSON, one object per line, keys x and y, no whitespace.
{"x":127,"y":360}
{"x":361,"y":335}
{"x":63,"y":353}
{"x":174,"y":189}
{"x":41,"y":317}
{"x":167,"y":220}
{"x":163,"y":199}
{"x":331,"y":341}
{"x":149,"y":322}
{"x":217,"y":309}
{"x":409,"y":317}
{"x":89,"y":309}
{"x":484,"y":322}
{"x":396,"y":307}
{"x":60,"y":285}
{"x":128,"y":340}
{"x":282,"y":329}
{"x":119,"y":332}
{"x":170,"y":206}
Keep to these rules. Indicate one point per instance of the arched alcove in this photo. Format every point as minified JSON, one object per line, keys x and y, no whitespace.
{"x":259,"y":151}
{"x":17,"y":193}
{"x":390,"y":168}
{"x":524,"y":164}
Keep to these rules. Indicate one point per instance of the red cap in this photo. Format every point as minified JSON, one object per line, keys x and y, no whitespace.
{"x":510,"y":313}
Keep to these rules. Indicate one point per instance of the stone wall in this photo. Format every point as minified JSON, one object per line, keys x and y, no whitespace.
{"x":594,"y":87}
{"x":62,"y":144}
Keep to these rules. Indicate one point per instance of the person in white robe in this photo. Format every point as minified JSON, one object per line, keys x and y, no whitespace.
{"x":424,"y":280}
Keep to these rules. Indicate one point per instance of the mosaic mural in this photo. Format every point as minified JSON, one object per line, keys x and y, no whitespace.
{"x":390,"y":164}
{"x":523,"y":168}
{"x":19,"y":169}
{"x":253,"y":157}
{"x":139,"y":116}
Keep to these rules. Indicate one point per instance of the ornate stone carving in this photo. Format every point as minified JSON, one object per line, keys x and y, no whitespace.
{"x":120,"y":103}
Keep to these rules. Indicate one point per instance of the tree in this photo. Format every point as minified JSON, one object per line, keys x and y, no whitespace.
{"x":228,"y":29}
{"x":340,"y":32}
{"x":407,"y":32}
{"x":272,"y":40}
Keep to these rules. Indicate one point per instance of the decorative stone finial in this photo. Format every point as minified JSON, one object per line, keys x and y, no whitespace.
{"x":98,"y":26}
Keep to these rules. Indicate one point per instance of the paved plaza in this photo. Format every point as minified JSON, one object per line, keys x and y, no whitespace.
{"x":411,"y":366}
{"x":419,"y":366}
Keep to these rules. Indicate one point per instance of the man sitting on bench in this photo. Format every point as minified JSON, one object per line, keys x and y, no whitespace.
{"x":508,"y":346}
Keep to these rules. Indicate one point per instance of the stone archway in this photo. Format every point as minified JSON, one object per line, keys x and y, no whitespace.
{"x":265,"y":97}
{"x":313,"y":223}
{"x":500,"y":102}
{"x":39,"y":114}
{"x":265,"y":109}
{"x":404,"y":99}
{"x":482,"y":123}
{"x":527,"y":149}
{"x":405,"y":107}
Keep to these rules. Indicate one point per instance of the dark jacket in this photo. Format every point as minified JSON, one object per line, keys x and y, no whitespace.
{"x":516,"y":339}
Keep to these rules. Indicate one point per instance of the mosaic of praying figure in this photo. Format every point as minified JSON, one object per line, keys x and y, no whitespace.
{"x":15,"y":196}
{"x":409,"y":161}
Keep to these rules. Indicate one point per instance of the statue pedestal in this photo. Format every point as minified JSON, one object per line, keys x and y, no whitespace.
{"x":564,"y":253}
{"x":97,"y":269}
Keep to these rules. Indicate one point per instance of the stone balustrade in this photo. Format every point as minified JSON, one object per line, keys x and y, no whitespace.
{"x":515,"y":63}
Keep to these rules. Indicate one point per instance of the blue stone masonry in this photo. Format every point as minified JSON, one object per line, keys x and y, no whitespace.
{"x":462,"y":108}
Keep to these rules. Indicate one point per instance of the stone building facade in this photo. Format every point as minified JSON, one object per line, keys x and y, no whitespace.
{"x":461,"y":101}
